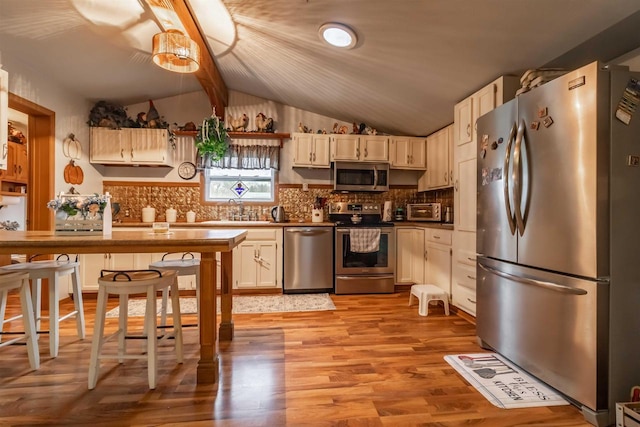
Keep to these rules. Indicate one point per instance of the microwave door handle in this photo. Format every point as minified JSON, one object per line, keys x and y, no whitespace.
{"x":375,"y":177}
{"x":517,"y":187}
{"x":507,"y":158}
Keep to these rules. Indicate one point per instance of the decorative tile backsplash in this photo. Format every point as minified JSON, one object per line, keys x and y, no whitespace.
{"x":132,"y":197}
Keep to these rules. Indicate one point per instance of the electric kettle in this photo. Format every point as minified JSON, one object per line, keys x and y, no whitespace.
{"x":277,"y":213}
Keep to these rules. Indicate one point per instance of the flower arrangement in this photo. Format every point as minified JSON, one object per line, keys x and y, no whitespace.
{"x":87,"y":206}
{"x":212,"y":139}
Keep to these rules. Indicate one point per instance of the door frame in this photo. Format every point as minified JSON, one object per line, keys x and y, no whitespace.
{"x":41,"y":154}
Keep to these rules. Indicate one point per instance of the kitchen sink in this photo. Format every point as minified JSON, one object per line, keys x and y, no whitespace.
{"x":240,"y":223}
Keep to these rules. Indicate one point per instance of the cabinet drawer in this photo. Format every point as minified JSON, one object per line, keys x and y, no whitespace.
{"x":465,"y":299}
{"x":465,"y":276}
{"x":263,"y":233}
{"x":466,"y":257}
{"x":439,"y":236}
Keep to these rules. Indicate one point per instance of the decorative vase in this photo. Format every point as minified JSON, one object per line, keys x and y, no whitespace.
{"x":61,"y":215}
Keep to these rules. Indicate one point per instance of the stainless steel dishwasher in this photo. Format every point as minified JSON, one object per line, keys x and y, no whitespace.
{"x":308,"y":259}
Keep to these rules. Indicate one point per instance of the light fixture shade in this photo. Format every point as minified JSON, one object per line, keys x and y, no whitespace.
{"x":338,"y":35}
{"x":176,"y":52}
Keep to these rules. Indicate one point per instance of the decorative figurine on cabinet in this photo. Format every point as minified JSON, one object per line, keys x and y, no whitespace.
{"x":238,"y":124}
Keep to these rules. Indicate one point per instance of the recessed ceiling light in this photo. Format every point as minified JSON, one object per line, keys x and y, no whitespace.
{"x":338,"y":35}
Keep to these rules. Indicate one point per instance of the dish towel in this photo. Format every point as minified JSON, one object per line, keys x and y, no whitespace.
{"x":364,"y":240}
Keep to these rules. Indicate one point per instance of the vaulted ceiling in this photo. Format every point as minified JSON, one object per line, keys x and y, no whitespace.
{"x":414,"y":60}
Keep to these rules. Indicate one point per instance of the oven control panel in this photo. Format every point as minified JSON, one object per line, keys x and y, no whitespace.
{"x":355,"y":208}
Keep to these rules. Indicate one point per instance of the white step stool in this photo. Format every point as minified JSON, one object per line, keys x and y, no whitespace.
{"x":426,"y":294}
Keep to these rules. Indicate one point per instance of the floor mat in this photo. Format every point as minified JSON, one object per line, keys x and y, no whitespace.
{"x":246,"y":304}
{"x":503,"y":384}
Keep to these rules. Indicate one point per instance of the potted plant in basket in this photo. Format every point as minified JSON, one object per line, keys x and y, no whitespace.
{"x":212,"y":140}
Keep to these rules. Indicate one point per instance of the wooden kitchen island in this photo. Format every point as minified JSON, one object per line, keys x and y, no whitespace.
{"x":206,"y":241}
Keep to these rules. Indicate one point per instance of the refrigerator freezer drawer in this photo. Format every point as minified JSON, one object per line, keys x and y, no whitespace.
{"x":553,"y":326}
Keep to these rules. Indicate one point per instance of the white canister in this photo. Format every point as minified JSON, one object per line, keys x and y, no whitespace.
{"x":316,"y":215}
{"x":148,"y":214}
{"x":171,"y":214}
{"x":191,"y":216}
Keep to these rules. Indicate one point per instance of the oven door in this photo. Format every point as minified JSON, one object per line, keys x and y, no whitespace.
{"x":380,"y":262}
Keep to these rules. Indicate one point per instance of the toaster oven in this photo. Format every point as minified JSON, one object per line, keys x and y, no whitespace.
{"x":424,"y":212}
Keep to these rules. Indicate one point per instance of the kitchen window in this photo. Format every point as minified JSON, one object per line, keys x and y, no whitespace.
{"x":253,"y":185}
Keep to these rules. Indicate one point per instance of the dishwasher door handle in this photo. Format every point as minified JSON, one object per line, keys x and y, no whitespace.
{"x":307,"y":231}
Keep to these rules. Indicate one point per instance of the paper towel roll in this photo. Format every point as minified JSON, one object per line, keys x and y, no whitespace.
{"x":386,"y":212}
{"x":9,"y":200}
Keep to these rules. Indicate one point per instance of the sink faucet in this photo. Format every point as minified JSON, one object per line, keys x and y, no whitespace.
{"x":240,"y":206}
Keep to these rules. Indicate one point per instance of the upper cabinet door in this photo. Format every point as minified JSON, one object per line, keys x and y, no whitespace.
{"x":107,"y":146}
{"x":303,"y":149}
{"x":463,"y":118}
{"x":483,"y":101}
{"x":149,"y":146}
{"x":321,"y":155}
{"x":345,"y":147}
{"x":4,"y":113}
{"x":438,"y":169}
{"x":374,"y":148}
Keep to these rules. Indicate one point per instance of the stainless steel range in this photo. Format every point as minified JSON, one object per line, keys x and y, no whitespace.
{"x":365,"y":249}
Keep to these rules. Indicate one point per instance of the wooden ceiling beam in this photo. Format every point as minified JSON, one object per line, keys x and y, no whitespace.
{"x":208,"y":75}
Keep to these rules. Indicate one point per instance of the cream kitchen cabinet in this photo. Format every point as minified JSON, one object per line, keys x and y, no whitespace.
{"x":257,"y":262}
{"x":311,"y":150}
{"x":465,"y":146}
{"x":407,"y":152}
{"x":463,"y":287}
{"x":439,"y":173}
{"x":438,"y":256}
{"x":130,"y":146}
{"x":92,"y":264}
{"x":410,"y":254}
{"x":187,"y":282}
{"x":359,"y":148}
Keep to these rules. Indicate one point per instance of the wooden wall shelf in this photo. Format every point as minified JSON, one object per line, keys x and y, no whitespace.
{"x":242,"y":135}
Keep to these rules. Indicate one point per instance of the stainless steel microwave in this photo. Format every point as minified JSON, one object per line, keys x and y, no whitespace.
{"x":354,"y":176}
{"x":424,"y":212}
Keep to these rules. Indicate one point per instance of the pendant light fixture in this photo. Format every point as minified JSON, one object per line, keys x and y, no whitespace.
{"x":174,"y":51}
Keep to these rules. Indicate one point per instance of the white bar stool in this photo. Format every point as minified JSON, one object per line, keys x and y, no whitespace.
{"x":52,"y":270}
{"x":124,"y":283}
{"x":20,"y":281}
{"x":427,"y":294}
{"x":186,"y":265}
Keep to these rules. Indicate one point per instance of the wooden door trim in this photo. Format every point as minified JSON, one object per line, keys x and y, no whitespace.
{"x":41,"y":140}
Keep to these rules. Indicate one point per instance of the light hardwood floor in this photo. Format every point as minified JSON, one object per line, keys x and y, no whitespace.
{"x":371,"y":362}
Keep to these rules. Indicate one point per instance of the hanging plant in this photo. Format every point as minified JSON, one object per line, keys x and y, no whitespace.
{"x":212,"y":139}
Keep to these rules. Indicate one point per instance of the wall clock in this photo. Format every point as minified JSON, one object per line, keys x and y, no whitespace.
{"x":187,"y":170}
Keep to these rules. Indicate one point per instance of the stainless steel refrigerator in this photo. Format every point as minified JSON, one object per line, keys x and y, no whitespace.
{"x":558,"y":235}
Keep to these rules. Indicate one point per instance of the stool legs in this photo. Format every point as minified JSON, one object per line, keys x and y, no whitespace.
{"x":29,"y":325}
{"x":77,"y":301}
{"x":150,"y":324}
{"x":98,"y":338}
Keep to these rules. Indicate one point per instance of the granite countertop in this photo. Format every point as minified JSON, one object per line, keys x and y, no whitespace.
{"x":263,"y":224}
{"x":426,"y":224}
{"x":227,"y":224}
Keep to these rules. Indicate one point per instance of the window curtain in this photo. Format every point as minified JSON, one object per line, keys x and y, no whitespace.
{"x":250,"y":157}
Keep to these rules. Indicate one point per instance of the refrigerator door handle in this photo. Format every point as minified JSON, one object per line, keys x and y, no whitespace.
{"x":507,"y":158}
{"x":526,"y":281}
{"x":517,"y":188}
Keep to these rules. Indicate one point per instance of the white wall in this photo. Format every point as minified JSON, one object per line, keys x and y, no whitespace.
{"x":71,"y":115}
